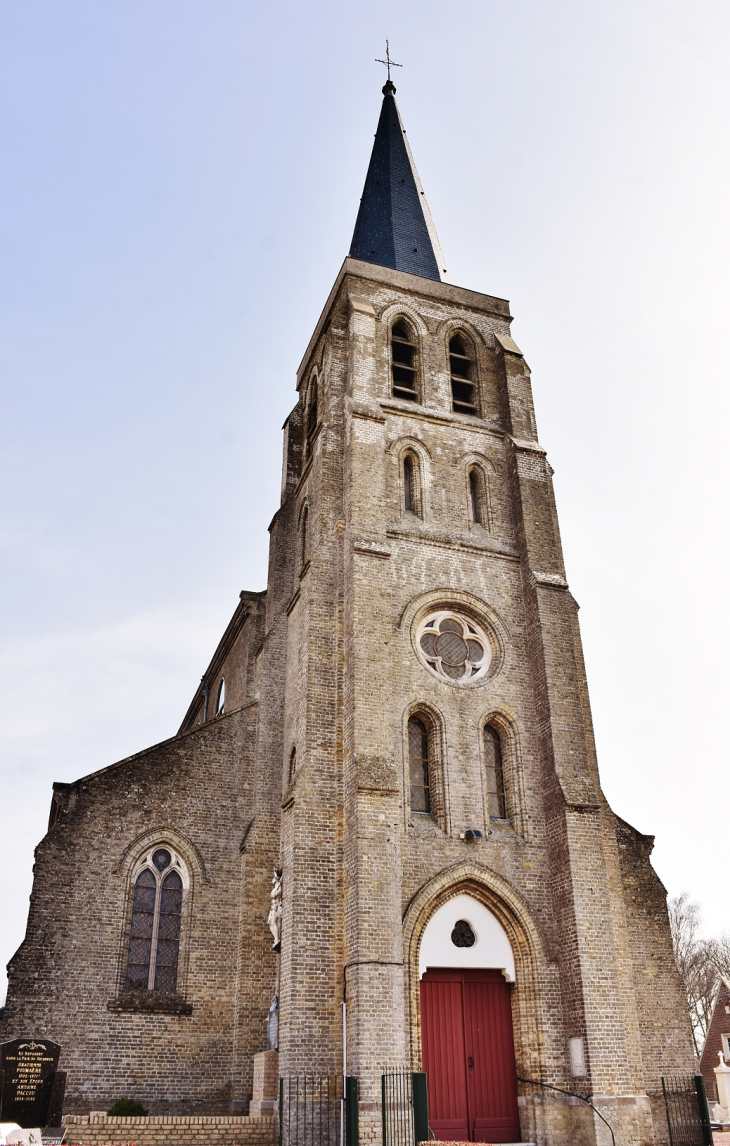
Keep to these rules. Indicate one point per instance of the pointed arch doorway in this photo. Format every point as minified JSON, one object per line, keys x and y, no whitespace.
{"x":466,"y":967}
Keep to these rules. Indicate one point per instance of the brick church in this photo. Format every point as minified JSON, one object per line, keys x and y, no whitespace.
{"x":384,"y":793}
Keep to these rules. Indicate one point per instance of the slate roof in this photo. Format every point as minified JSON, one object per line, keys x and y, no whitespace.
{"x":394,"y":227}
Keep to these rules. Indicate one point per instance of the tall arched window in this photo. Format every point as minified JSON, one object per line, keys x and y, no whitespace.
{"x":292,"y":764}
{"x":154,"y":937}
{"x":463,"y":380}
{"x":220,"y":702}
{"x":403,"y":361}
{"x":495,"y":775}
{"x":312,"y":414}
{"x":476,"y":497}
{"x":412,"y":485}
{"x":304,"y":537}
{"x":419,"y":744}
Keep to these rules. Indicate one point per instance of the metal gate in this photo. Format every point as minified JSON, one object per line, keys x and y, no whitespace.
{"x":404,"y":1100}
{"x":318,"y":1110}
{"x":688,"y":1116}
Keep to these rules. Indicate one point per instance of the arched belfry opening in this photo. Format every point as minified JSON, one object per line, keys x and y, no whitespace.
{"x":466,"y":970}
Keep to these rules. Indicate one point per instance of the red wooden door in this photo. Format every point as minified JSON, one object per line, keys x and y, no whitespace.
{"x":469,"y":1057}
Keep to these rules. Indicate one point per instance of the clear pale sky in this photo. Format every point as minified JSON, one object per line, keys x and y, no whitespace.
{"x":180,"y":184}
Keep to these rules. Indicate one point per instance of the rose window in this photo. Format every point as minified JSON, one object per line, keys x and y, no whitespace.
{"x":463,"y":935}
{"x":454,"y":647}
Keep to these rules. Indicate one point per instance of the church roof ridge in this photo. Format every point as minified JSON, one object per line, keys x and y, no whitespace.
{"x":394,"y":225}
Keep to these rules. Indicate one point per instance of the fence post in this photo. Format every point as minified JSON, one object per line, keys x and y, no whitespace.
{"x":704,"y":1109}
{"x":383,"y":1110}
{"x":420,"y":1107}
{"x":351,"y":1114}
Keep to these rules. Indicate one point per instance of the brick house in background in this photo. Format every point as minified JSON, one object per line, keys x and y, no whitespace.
{"x":718,"y":1039}
{"x":400,"y":725}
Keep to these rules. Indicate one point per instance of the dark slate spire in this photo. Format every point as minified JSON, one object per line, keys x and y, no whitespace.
{"x":394,"y":226}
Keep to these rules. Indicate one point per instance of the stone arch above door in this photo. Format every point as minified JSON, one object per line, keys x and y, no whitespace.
{"x":480,"y":942}
{"x":534,"y":975}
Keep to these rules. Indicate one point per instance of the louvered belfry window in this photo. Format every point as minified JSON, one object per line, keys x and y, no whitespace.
{"x":418,"y":753}
{"x":495,"y":774}
{"x":403,"y":361}
{"x":461,"y":366}
{"x":154,"y":940}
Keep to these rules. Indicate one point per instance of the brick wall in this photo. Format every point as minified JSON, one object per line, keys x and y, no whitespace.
{"x":168,"y":1131}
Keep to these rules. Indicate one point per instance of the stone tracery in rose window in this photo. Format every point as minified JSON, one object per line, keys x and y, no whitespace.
{"x":454,"y":647}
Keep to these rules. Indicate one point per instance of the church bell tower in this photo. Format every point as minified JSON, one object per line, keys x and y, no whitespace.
{"x":452,"y":872}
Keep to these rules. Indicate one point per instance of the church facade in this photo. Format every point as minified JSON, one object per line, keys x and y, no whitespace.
{"x":383,"y":805}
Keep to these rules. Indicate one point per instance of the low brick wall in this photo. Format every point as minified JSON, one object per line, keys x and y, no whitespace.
{"x":232,"y":1130}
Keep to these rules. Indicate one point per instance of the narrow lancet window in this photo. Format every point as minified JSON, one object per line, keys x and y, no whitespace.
{"x":475,"y":498}
{"x":403,"y":361}
{"x":154,"y":937}
{"x":461,"y":366}
{"x":419,"y":737}
{"x":495,"y":775}
{"x":220,"y":703}
{"x":312,"y":415}
{"x":304,"y":538}
{"x":408,"y":482}
{"x":412,"y":485}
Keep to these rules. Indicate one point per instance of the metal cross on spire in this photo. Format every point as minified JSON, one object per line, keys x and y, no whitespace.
{"x":387,"y":61}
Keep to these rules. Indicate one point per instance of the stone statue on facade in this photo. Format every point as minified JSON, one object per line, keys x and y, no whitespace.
{"x":274,"y":919}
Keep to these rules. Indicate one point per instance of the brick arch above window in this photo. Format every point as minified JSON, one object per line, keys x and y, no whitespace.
{"x":453,"y":325}
{"x":181,"y":844}
{"x":389,"y":315}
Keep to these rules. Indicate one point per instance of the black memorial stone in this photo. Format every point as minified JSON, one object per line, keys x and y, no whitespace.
{"x":31,"y":1086}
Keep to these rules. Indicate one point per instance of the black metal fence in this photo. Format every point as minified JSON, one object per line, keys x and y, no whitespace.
{"x":318,"y":1110}
{"x":404,"y":1101}
{"x":688,"y":1116}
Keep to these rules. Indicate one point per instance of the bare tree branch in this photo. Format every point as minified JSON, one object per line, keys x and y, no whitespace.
{"x":700,"y":963}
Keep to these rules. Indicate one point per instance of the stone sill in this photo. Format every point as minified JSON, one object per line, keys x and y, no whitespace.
{"x":148,"y":1002}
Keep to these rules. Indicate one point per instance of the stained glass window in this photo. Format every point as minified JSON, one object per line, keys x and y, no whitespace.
{"x":454,"y":647}
{"x":418,"y":746}
{"x":154,"y":938}
{"x":495,"y":775}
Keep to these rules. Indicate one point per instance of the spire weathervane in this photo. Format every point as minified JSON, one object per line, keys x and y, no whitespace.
{"x":387,"y":61}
